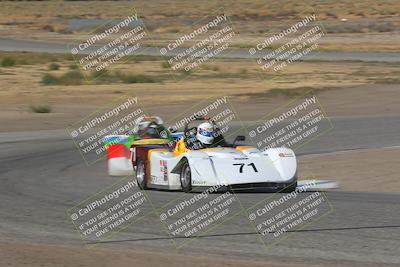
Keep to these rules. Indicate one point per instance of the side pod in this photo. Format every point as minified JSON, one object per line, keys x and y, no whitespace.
{"x":119,"y":163}
{"x":284,"y":161}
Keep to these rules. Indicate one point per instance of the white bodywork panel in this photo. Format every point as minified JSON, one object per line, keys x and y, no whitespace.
{"x":227,"y":166}
{"x":121,"y":166}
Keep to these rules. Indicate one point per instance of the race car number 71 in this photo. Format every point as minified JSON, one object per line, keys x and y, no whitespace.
{"x":243,"y":164}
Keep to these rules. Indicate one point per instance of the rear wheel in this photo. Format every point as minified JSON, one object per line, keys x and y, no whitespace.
{"x":140,"y":174}
{"x":186,"y":177}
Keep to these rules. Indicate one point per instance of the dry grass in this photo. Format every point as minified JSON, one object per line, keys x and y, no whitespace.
{"x":40,"y":108}
{"x":243,"y":9}
{"x":251,"y":19}
{"x":252,"y":92}
{"x":22,"y":83}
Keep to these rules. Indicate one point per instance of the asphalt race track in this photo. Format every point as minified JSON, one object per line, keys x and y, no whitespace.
{"x":43,"y":175}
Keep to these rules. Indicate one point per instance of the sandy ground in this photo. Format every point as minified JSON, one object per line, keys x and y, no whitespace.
{"x":364,"y":100}
{"x":370,"y":170}
{"x":365,"y":26}
{"x":38,"y":255}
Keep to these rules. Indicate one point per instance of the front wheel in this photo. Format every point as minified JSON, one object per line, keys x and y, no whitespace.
{"x":186,"y":177}
{"x":140,"y":174}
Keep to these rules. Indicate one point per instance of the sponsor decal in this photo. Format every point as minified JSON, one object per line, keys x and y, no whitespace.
{"x":284,"y":155}
{"x":197,"y":182}
{"x":164,"y":169}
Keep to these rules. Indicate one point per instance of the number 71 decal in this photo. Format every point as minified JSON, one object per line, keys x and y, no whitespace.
{"x":243,"y":164}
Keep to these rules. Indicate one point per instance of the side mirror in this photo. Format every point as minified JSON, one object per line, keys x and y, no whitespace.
{"x":239,"y":138}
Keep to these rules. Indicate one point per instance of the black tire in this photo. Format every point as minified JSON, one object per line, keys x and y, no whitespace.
{"x":186,"y":177}
{"x":140,"y":174}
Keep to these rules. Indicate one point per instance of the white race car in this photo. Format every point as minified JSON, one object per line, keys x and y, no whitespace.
{"x":157,"y":164}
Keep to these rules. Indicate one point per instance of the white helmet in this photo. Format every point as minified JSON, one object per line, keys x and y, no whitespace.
{"x":205,"y":133}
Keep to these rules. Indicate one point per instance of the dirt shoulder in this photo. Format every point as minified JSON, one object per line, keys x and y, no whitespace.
{"x":369,"y":170}
{"x":39,"y":255}
{"x":165,"y":100}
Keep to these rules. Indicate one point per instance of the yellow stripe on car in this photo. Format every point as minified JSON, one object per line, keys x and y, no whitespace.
{"x":151,"y":141}
{"x":243,"y":148}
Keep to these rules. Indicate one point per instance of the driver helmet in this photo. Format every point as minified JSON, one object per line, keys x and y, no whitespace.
{"x":153,"y":131}
{"x":205,"y":133}
{"x":148,"y":125}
